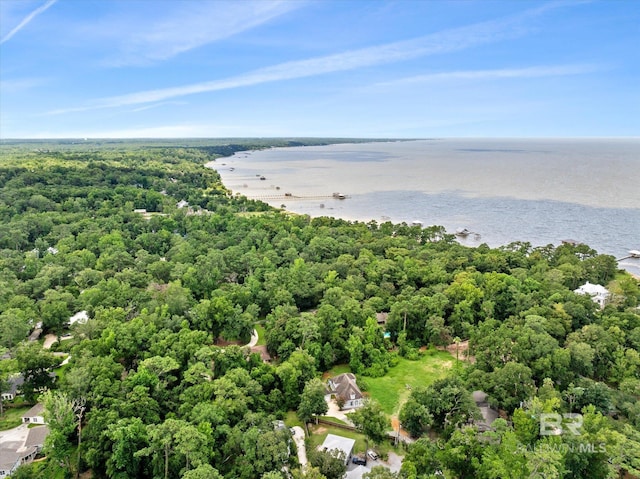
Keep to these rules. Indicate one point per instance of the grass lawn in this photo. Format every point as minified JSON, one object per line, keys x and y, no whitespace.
{"x":12,"y":417}
{"x":291,"y":419}
{"x":61,"y":372}
{"x":334,"y":371}
{"x":334,"y":420}
{"x":391,"y":390}
{"x":262,"y":337}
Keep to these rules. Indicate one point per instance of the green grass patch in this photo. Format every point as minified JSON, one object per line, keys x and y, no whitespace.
{"x":249,"y":214}
{"x":393,"y":389}
{"x":61,"y":372}
{"x":12,"y":417}
{"x":291,"y":419}
{"x":262,"y":335}
{"x":337,"y":369}
{"x":334,"y":420}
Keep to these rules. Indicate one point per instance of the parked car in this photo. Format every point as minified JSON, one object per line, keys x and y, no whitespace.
{"x":372,"y":454}
{"x":359,"y":460}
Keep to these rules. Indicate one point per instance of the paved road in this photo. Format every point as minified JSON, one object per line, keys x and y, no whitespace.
{"x":298,"y":437}
{"x":15,"y":435}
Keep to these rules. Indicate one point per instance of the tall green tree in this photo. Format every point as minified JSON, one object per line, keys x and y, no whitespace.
{"x":312,"y":402}
{"x":371,"y":420}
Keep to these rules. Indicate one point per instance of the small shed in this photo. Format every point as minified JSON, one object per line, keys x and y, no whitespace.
{"x":34,"y":415}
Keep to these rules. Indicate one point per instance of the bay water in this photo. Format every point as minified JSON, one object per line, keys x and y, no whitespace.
{"x":541,"y":191}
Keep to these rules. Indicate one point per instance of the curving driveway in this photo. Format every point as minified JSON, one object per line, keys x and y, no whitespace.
{"x":298,"y":437}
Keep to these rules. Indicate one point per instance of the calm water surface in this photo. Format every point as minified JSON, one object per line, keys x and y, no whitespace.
{"x":540,"y":191}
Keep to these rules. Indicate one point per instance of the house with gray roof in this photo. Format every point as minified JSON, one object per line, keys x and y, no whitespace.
{"x":10,"y":460}
{"x":15,"y":383}
{"x":488,"y":413}
{"x":340,"y":443}
{"x":345,"y":389}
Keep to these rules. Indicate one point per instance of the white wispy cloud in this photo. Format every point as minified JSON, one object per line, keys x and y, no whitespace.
{"x":436,"y":43}
{"x":183,"y":26}
{"x":25,"y":21}
{"x":16,"y":85}
{"x":528,"y":72}
{"x":159,"y":104}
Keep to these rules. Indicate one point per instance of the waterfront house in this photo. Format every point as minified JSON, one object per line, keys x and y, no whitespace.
{"x":599,"y":294}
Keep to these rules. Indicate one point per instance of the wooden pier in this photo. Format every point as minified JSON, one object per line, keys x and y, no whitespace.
{"x":634,"y":253}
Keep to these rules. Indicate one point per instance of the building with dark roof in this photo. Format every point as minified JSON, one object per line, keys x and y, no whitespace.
{"x":346,"y":391}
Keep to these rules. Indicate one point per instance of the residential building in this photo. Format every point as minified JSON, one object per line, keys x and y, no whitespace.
{"x":340,"y":443}
{"x":346,"y":391}
{"x":599,"y":294}
{"x":34,"y":415}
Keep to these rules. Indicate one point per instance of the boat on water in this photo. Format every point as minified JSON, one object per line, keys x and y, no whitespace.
{"x":634,"y":253}
{"x":462,"y":232}
{"x":339,"y":196}
{"x":262,"y":178}
{"x":416,"y":223}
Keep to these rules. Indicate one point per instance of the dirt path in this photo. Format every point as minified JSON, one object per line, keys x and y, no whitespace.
{"x":49,"y":339}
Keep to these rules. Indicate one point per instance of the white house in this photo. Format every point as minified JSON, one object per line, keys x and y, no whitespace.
{"x":599,"y":294}
{"x":344,"y":388}
{"x":34,"y":415}
{"x":80,"y":317}
{"x":15,"y":384}
{"x":340,"y":443}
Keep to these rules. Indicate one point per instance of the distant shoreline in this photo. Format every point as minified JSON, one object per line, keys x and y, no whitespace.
{"x":360,"y":173}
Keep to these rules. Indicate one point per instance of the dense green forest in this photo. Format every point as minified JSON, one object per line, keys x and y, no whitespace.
{"x":156,"y":386}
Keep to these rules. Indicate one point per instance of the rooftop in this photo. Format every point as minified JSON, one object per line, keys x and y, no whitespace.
{"x":36,"y":410}
{"x":36,"y":436}
{"x":340,"y":443}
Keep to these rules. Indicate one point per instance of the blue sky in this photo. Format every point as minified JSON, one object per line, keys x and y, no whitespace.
{"x":204,"y":68}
